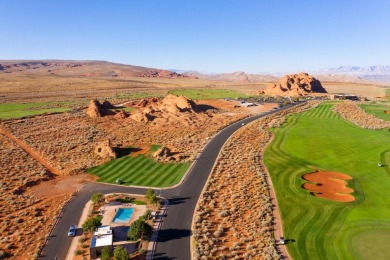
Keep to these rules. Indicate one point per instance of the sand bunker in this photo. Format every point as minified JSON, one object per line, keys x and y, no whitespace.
{"x":329,"y":185}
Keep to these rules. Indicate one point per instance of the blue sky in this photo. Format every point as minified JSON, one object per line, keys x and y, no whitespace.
{"x":214,"y":36}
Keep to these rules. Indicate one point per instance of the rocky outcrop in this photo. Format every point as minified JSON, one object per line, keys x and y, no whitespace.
{"x":295,"y":85}
{"x":107,"y":105}
{"x":176,"y":104}
{"x":169,"y":107}
{"x":121,"y":115}
{"x":147,"y":102}
{"x":164,"y":154}
{"x":94,"y":109}
{"x":163,"y":74}
{"x":105,"y":150}
{"x":141,"y":117}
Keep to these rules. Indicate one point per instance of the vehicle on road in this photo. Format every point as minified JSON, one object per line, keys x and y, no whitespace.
{"x":243,"y":124}
{"x":282,"y":241}
{"x":72,"y":231}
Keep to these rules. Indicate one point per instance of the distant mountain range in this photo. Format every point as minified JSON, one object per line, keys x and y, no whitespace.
{"x":377,"y":73}
{"x":371,"y":74}
{"x":353,"y":70}
{"x":94,"y":69}
{"x":238,"y":76}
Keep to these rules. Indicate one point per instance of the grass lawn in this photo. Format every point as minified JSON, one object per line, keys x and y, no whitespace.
{"x":141,"y":170}
{"x":10,"y":110}
{"x":323,"y":229}
{"x":377,"y":109}
{"x":136,"y":202}
{"x":208,"y":93}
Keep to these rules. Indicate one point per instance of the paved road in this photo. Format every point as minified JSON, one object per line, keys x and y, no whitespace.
{"x":174,"y":236}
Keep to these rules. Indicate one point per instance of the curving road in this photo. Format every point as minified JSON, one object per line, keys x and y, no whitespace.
{"x":174,"y":236}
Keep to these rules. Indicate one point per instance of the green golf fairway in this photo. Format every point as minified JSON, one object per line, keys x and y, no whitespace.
{"x":141,"y":171}
{"x":320,"y":228}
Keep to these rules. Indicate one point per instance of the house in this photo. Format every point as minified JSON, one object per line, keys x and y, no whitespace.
{"x":102,"y":237}
{"x":343,"y":96}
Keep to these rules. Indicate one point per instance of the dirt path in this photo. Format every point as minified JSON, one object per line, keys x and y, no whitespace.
{"x":30,"y":151}
{"x":278,"y":232}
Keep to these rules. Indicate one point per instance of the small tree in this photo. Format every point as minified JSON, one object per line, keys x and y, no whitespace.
{"x":153,"y":199}
{"x":151,"y":196}
{"x":91,"y":224}
{"x":106,"y":254}
{"x":97,"y":198}
{"x":120,"y":253}
{"x":139,"y":229}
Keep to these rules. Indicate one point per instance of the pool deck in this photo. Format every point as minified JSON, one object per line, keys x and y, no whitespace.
{"x":109,"y":210}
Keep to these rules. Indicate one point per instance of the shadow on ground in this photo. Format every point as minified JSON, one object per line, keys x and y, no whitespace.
{"x":175,"y":201}
{"x":126,"y":151}
{"x":165,"y":235}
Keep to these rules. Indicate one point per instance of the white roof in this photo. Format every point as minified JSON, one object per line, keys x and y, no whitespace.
{"x":103,"y":230}
{"x":104,"y":240}
{"x":102,"y":237}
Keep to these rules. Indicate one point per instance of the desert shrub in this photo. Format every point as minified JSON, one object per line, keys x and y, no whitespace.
{"x":78,"y":252}
{"x":120,"y":253}
{"x":97,"y":198}
{"x":82,"y":239}
{"x":106,"y":254}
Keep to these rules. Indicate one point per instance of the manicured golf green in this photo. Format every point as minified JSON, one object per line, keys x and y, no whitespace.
{"x":208,"y":93}
{"x":141,"y":171}
{"x":377,"y":109}
{"x":320,"y":228}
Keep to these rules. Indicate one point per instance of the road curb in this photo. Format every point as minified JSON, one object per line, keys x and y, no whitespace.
{"x":153,"y":240}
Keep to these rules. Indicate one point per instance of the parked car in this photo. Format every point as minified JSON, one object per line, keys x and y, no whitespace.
{"x":72,"y":231}
{"x":282,"y":241}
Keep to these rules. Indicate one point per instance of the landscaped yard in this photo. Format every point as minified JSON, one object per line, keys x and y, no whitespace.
{"x":208,"y":93}
{"x":141,"y":170}
{"x":321,"y":228}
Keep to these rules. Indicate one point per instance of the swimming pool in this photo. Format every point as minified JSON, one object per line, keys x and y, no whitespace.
{"x":123,"y":215}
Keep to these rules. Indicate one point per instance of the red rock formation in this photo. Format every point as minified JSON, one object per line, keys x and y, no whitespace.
{"x":170,"y":106}
{"x":295,"y":85}
{"x":105,"y":150}
{"x":94,"y":109}
{"x":121,"y":115}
